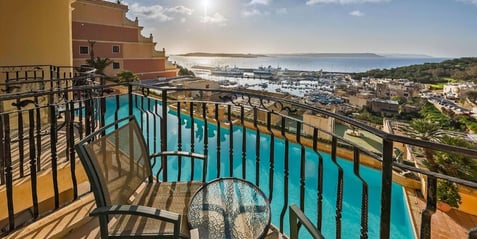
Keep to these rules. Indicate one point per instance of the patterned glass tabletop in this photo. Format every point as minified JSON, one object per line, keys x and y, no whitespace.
{"x":229,"y":208}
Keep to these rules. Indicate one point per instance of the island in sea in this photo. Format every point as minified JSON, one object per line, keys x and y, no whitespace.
{"x":236,"y":55}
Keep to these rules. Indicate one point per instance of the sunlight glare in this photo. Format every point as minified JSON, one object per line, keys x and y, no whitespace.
{"x":206,"y":6}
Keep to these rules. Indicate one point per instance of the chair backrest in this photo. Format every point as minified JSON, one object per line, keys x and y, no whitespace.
{"x":116,"y":161}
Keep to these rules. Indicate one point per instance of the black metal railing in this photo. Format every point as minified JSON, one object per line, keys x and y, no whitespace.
{"x":282,"y":118}
{"x":265,"y":139}
{"x":44,"y":110}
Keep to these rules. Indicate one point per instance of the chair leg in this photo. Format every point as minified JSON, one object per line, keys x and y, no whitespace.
{"x":103,"y":226}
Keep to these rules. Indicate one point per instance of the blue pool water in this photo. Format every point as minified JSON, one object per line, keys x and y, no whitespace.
{"x":351,"y":213}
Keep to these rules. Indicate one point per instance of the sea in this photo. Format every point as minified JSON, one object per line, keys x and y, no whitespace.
{"x":307,"y":62}
{"x":292,"y":62}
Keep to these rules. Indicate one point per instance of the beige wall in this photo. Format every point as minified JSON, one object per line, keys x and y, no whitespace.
{"x":323,"y":123}
{"x":106,"y":13}
{"x":136,"y":50}
{"x":35,"y":32}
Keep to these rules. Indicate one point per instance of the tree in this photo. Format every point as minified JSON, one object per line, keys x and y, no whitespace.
{"x":184,"y":71}
{"x":127,"y":76}
{"x":454,"y":165}
{"x":428,"y":130}
{"x":98,"y":63}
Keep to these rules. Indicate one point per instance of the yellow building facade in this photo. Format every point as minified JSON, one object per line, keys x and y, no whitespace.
{"x":35,"y":32}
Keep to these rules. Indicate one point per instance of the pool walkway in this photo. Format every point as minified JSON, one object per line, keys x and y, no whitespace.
{"x":453,"y":224}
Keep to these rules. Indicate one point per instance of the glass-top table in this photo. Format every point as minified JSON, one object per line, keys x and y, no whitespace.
{"x":229,"y":208}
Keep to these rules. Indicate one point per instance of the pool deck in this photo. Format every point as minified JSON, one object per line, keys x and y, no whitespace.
{"x":453,"y":224}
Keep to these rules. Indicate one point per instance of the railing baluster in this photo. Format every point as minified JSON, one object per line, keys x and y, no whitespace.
{"x":8,"y":173}
{"x":319,"y":209}
{"x":69,"y":114}
{"x":217,"y":120}
{"x":339,"y":190}
{"x":192,"y":136}
{"x":257,"y":146}
{"x":147,"y":114}
{"x":430,"y":209}
{"x":231,"y":141}
{"x":21,"y":148}
{"x":386,"y":187}
{"x":206,"y":142}
{"x":179,"y":138}
{"x":31,"y":136}
{"x":272,"y":155}
{"x":116,"y":111}
{"x":285,"y":176}
{"x":244,"y":142}
{"x":364,"y":197}
{"x":38,"y":135}
{"x":163,"y":134}
{"x":156,"y":115}
{"x":80,"y":118}
{"x":54,"y":156}
{"x":302,"y":166}
{"x":141,"y":108}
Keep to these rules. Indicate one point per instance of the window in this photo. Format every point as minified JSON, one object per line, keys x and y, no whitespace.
{"x":116,"y":49}
{"x":84,"y":50}
{"x":116,"y":65}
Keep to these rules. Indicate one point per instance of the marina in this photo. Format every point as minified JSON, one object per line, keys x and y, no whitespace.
{"x":316,"y":87}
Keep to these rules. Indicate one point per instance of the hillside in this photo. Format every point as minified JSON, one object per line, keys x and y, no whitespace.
{"x":458,"y":69}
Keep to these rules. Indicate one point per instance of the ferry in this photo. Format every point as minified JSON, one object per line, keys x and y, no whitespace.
{"x":265,"y":72}
{"x":227,"y":71}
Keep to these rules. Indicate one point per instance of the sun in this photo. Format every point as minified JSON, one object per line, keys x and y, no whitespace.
{"x":206,"y":4}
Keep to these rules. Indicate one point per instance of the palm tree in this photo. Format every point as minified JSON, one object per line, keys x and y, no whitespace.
{"x":127,"y":76}
{"x":428,"y":130}
{"x":98,"y":63}
{"x":453,"y":164}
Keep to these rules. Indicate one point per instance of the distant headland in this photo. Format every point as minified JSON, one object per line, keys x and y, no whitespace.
{"x":332,"y":54}
{"x":236,"y":55}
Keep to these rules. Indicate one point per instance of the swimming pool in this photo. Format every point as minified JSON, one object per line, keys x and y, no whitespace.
{"x":351,"y":213}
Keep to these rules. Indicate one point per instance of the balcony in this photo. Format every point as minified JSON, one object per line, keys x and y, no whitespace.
{"x":287,"y":148}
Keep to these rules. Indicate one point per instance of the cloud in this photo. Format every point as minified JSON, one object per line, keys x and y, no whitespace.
{"x":469,"y":1}
{"x":159,"y":12}
{"x":263,"y":2}
{"x":281,"y":11}
{"x":252,"y":12}
{"x":312,"y":2}
{"x":217,"y":18}
{"x":356,"y":13}
{"x":181,"y":10}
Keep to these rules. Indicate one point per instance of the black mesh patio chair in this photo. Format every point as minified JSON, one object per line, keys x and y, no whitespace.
{"x":131,"y":203}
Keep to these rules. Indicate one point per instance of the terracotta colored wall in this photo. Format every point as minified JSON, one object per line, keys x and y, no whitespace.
{"x":144,"y":65}
{"x":100,"y":49}
{"x":88,"y":31}
{"x":138,"y":50}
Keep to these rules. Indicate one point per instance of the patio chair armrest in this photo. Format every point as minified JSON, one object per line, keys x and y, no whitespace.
{"x":296,"y":217}
{"x":138,"y":211}
{"x":179,"y":153}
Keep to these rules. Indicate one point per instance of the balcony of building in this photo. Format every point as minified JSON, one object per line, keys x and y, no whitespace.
{"x":345,"y":189}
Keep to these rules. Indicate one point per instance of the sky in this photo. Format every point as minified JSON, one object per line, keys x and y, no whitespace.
{"x":439,"y":28}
